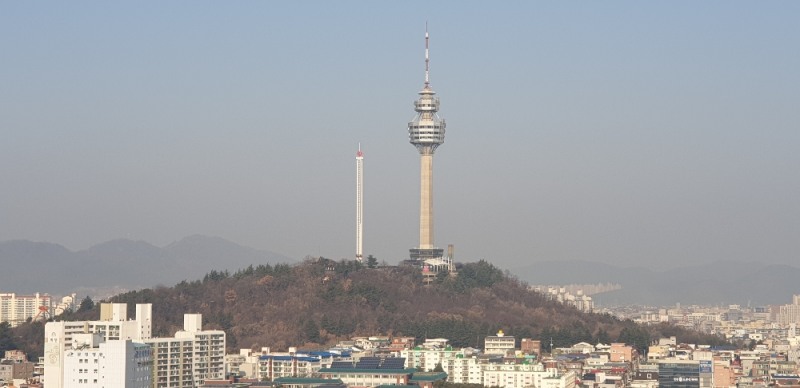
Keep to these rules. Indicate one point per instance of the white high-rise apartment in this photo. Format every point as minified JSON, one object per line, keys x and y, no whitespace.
{"x":187,"y":360}
{"x":790,"y":313}
{"x":191,"y":357}
{"x":59,"y":337}
{"x":92,"y":362}
{"x":16,"y":309}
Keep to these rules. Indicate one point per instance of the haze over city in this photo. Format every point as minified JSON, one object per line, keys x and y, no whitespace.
{"x":647,"y":134}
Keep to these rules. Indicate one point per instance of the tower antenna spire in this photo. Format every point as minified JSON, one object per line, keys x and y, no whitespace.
{"x":427,"y":59}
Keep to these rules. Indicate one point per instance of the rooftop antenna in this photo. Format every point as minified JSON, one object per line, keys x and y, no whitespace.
{"x":427,"y":59}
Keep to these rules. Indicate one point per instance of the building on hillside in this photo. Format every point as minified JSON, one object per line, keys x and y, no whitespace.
{"x":531,"y":346}
{"x":724,"y":375}
{"x":400,"y":343}
{"x":93,"y":362}
{"x":428,"y":358}
{"x":790,"y":313}
{"x":582,"y":348}
{"x":15,"y":355}
{"x":658,"y":352}
{"x":370,"y":372}
{"x":461,"y":366}
{"x":271,"y":367}
{"x":12,"y":370}
{"x":16,"y":309}
{"x":369,"y":343}
{"x":526,"y":375}
{"x":646,"y":372}
{"x":15,"y":365}
{"x":768,"y":368}
{"x":426,"y":379}
{"x":676,"y":373}
{"x":499,"y":344}
{"x":67,"y":304}
{"x":463,"y":369}
{"x":6,"y":371}
{"x":268,"y":365}
{"x":435,"y":343}
{"x":621,"y":352}
{"x":234,"y":364}
{"x":579,"y":300}
{"x":308,"y":382}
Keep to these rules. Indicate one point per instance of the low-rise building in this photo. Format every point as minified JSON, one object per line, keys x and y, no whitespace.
{"x":370,"y":372}
{"x":525,"y":375}
{"x":499,"y":344}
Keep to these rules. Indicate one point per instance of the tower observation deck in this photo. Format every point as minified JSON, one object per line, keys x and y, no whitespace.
{"x":426,"y":133}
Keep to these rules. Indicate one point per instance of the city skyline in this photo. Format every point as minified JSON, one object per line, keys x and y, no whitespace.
{"x":626,"y":133}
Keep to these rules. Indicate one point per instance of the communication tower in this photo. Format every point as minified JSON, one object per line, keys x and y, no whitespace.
{"x":426,"y":133}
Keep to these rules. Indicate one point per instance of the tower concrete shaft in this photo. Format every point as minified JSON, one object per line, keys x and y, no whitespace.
{"x":426,"y":133}
{"x":426,"y":201}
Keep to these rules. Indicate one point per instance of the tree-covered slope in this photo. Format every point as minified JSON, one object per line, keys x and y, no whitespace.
{"x":320,"y":301}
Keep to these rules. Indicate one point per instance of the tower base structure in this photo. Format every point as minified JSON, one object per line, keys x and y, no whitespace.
{"x":420,"y":254}
{"x":431,"y":262}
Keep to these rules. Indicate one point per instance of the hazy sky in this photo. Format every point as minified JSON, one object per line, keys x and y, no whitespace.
{"x":623,"y":132}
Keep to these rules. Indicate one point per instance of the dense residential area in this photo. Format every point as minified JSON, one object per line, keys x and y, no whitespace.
{"x":119,"y":350}
{"x":326,"y":323}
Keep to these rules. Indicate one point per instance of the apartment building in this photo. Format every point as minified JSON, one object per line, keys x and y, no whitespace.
{"x":461,"y":365}
{"x":191,"y":357}
{"x":185,"y":360}
{"x":272,"y":367}
{"x":526,"y":375}
{"x":499,"y":344}
{"x":16,"y":309}
{"x":92,"y":362}
{"x":621,"y":352}
{"x":114,"y":325}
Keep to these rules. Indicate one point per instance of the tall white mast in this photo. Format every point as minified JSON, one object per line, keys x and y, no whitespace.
{"x":359,"y":204}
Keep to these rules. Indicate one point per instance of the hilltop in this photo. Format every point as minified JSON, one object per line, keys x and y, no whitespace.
{"x":318,"y":302}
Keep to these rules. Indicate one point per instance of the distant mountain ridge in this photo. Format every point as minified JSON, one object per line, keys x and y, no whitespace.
{"x":721,"y":282}
{"x":29,"y":266}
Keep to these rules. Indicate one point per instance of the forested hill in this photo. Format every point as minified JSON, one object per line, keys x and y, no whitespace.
{"x":318,"y":302}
